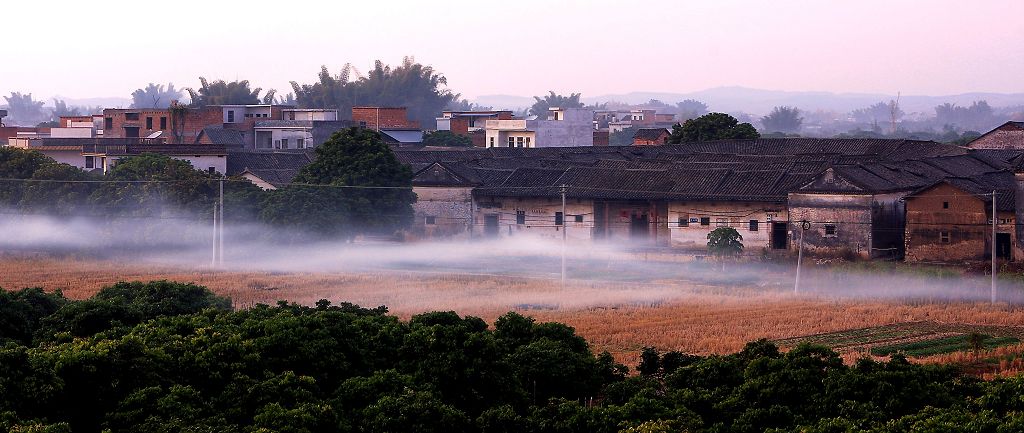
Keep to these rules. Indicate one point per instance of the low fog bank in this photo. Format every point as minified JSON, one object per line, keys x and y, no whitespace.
{"x":594,"y":270}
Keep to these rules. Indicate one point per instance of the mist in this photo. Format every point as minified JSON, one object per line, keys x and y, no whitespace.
{"x":598,"y":275}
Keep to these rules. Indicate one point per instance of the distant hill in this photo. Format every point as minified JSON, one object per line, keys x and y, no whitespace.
{"x":759,"y":101}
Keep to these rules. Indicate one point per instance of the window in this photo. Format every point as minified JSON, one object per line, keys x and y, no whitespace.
{"x":579,"y":218}
{"x":492,"y":142}
{"x":945,"y":205}
{"x":684,"y":221}
{"x":211,"y":170}
{"x":231,"y":116}
{"x":149,"y":122}
{"x":520,"y":217}
{"x":277,"y":144}
{"x":527,"y":141}
{"x":131,"y":116}
{"x":753,"y":225}
{"x":300,"y":143}
{"x":944,"y":237}
{"x":284,"y":143}
{"x":511,"y":142}
{"x":519,"y":141}
{"x":163,"y":123}
{"x":705,"y":221}
{"x":108,"y":123}
{"x":830,"y":229}
{"x":90,"y":162}
{"x":559,"y":219}
{"x":430,"y":220}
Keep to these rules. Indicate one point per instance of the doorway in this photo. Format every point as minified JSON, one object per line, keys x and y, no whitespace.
{"x":639,"y":226}
{"x":1003,"y":248}
{"x":491,"y":225}
{"x":780,"y":236}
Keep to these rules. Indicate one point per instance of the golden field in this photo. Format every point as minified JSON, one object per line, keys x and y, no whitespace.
{"x":619,"y":317}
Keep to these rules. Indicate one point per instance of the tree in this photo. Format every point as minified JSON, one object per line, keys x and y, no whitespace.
{"x":782,"y":119}
{"x":417,"y":87}
{"x":220,"y":92}
{"x":691,"y":109}
{"x":541,"y":105}
{"x":713,"y":126}
{"x":725,"y":242}
{"x":446,"y":138}
{"x":23,"y":110}
{"x":18,"y":164}
{"x":623,"y":137}
{"x":375,"y":187}
{"x":173,"y":185}
{"x":879,"y":112}
{"x":155,"y":96}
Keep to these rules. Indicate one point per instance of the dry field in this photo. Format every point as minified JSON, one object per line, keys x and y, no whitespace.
{"x":620,"y":317}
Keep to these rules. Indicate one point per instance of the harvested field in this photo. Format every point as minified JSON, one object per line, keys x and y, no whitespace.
{"x":620,"y":316}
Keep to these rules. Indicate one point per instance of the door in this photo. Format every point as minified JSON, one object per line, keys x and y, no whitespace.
{"x":491,"y":225}
{"x":639,"y":226}
{"x":780,"y":236}
{"x":1003,"y":249}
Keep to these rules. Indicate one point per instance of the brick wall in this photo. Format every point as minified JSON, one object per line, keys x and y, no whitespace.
{"x":383,"y":117}
{"x":149,"y":121}
{"x":601,"y":138}
{"x":957,"y":233}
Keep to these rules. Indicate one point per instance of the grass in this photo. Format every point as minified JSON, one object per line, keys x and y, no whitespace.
{"x":936,"y":346}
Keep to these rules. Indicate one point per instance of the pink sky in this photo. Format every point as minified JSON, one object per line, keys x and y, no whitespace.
{"x":523,"y":47}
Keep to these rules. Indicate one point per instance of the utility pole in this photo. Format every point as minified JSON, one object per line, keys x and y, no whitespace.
{"x":994,"y":247}
{"x":804,"y":225}
{"x":220,"y":236}
{"x":213,"y":258}
{"x":564,"y":226}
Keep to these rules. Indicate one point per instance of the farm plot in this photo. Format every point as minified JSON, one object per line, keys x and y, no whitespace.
{"x":915,"y":339}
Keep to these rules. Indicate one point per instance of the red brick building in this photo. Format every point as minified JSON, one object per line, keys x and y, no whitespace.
{"x":650,"y":137}
{"x":144,"y":122}
{"x":383,"y":118}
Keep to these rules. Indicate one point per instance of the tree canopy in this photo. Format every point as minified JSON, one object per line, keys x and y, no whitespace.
{"x":713,"y":126}
{"x":170,"y":357}
{"x":372,"y":189}
{"x":155,"y":96}
{"x":446,"y":138}
{"x":220,"y":92}
{"x":725,"y":242}
{"x":541,"y":105}
{"x":418,"y":87}
{"x":782,"y":119}
{"x":23,"y":110}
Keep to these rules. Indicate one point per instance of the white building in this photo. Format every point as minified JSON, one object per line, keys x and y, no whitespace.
{"x":563,"y":127}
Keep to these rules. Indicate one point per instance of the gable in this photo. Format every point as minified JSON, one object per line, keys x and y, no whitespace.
{"x":829,"y":180}
{"x":439,"y":175}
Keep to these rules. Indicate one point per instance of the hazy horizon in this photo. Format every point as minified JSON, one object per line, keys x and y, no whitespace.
{"x":525,"y":48}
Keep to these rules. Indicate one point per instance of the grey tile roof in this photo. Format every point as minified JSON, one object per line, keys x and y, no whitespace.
{"x":223,"y":136}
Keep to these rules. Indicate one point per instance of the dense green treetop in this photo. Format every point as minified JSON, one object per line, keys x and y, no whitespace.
{"x":713,"y":126}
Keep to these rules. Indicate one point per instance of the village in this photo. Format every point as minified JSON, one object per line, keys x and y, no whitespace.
{"x":857,"y":198}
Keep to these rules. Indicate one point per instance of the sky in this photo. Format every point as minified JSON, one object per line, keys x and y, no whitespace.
{"x":522,"y":47}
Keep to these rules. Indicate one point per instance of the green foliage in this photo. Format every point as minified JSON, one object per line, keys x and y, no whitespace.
{"x":220,"y":92}
{"x":167,"y":357}
{"x":725,"y":241}
{"x":541,"y":105}
{"x":446,"y":138}
{"x":418,"y":87}
{"x":178,"y":186}
{"x":956,"y":343}
{"x":623,"y":137}
{"x":155,"y":96}
{"x":23,"y":110}
{"x":713,"y":126}
{"x":782,"y":119}
{"x":358,"y":157}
